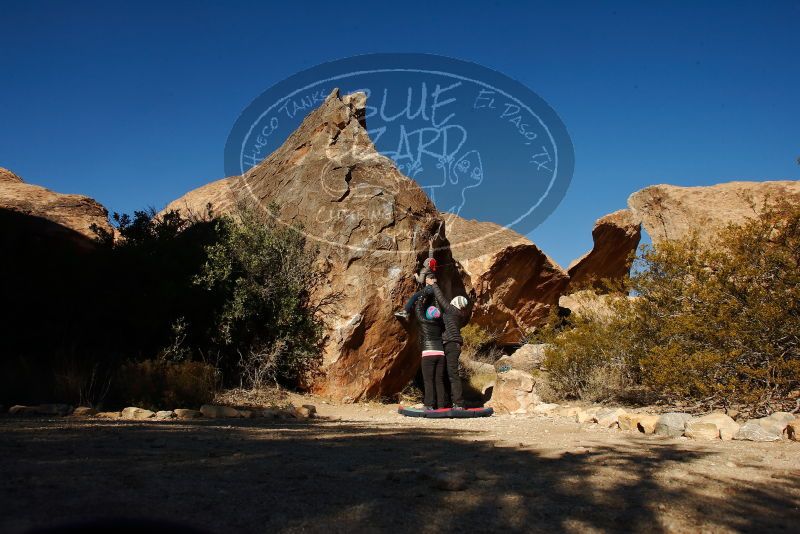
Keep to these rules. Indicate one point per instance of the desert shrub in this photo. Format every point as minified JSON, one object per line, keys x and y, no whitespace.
{"x":158,"y":384}
{"x":267,"y":327}
{"x":590,"y":360}
{"x":232,"y":292}
{"x":723,"y":322}
{"x":716,"y":324}
{"x":480,"y":344}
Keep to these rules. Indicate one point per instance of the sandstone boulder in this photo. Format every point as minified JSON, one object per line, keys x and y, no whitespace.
{"x":586,"y":415}
{"x":213,"y":411}
{"x":136,"y":413}
{"x":672,"y":424}
{"x":513,"y":285}
{"x":672,"y":212}
{"x":164,"y":415}
{"x":526,"y":358}
{"x":760,"y":430}
{"x":183,"y":413}
{"x":70,"y":216}
{"x":699,"y":430}
{"x":8,"y":176}
{"x":615,"y":238}
{"x":780,"y":418}
{"x":630,"y":421}
{"x":608,"y":417}
{"x":514,"y":393}
{"x":646,"y":423}
{"x":475,"y":367}
{"x":217,"y":197}
{"x":371,"y":225}
{"x":725,"y":425}
{"x":305,"y":411}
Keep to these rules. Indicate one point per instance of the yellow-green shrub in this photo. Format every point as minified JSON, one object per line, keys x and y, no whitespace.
{"x":715,"y":323}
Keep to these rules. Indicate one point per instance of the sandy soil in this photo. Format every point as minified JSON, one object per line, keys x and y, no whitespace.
{"x":364,"y":468}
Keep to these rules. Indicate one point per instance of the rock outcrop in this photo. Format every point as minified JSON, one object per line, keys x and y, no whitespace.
{"x":512,"y":283}
{"x":528,"y":358}
{"x":371,"y":225}
{"x":672,"y":212}
{"x":54,"y":215}
{"x":615,"y":238}
{"x":8,"y":176}
{"x":217,"y":196}
{"x":514,"y":393}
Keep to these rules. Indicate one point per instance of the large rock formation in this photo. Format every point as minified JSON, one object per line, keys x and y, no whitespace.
{"x":512,"y":283}
{"x":371,"y":225}
{"x":217,"y":196}
{"x":615,"y":238}
{"x":55,"y":215}
{"x":672,"y":212}
{"x":8,"y":176}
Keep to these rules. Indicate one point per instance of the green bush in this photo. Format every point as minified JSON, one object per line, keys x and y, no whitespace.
{"x":715,"y":324}
{"x":480,"y":344}
{"x":267,"y":275}
{"x":232,"y":291}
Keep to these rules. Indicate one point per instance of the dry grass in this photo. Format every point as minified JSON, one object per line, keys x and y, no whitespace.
{"x":265,"y":397}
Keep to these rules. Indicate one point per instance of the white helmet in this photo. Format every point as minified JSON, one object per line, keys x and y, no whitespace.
{"x":459,"y":302}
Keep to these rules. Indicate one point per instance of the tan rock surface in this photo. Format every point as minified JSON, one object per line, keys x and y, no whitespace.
{"x":647,"y":423}
{"x":8,"y":176}
{"x":512,"y":283}
{"x":219,"y":195}
{"x":701,"y":430}
{"x":672,"y":212}
{"x":371,"y":224}
{"x":726,"y":426}
{"x":514,"y":393}
{"x":615,"y":238}
{"x":73,"y":215}
{"x":133,"y":412}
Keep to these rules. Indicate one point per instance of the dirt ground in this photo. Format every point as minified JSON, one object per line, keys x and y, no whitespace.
{"x":364,"y":468}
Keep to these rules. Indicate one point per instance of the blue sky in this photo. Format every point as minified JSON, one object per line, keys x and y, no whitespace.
{"x":131,"y":103}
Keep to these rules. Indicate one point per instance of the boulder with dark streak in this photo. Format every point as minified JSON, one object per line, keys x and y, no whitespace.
{"x":371,"y":225}
{"x":615,"y":238}
{"x":513,"y":285}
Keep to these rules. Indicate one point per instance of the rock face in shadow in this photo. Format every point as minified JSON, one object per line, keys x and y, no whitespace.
{"x":371,"y":225}
{"x":512,"y":283}
{"x":615,"y":238}
{"x":70,"y":213}
{"x":672,"y":212}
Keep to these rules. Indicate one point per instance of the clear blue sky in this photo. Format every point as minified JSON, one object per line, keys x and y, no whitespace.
{"x":131,"y":103}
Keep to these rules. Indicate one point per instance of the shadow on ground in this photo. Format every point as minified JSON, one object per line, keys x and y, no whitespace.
{"x":258,"y":476}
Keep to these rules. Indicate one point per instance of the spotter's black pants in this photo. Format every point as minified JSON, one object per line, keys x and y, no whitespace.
{"x":433,"y":368}
{"x":452,"y":351}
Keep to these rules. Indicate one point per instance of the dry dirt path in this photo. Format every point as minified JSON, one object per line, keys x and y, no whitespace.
{"x":363,"y":468}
